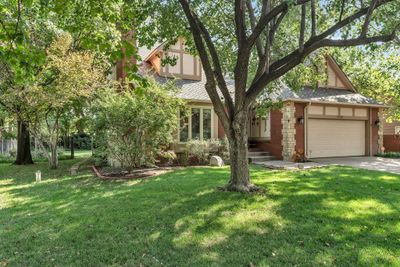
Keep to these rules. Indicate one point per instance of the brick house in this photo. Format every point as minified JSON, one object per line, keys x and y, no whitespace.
{"x":391,"y":136}
{"x":333,"y":120}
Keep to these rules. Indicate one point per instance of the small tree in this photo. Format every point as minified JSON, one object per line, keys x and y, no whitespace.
{"x":68,"y":80}
{"x":136,"y":124}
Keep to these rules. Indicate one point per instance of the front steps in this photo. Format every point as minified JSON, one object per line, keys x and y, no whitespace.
{"x":258,"y":156}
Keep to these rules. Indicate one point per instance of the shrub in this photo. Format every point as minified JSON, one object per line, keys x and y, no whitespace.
{"x":199,"y":151}
{"x":389,"y":154}
{"x":133,"y":125}
{"x":60,"y":151}
{"x":40,"y":155}
{"x":299,"y":155}
{"x":82,"y":141}
{"x":12,"y":153}
{"x":6,"y":158}
{"x":167,"y":157}
{"x":183,"y":158}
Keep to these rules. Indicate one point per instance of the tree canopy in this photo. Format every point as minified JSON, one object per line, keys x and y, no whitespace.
{"x":27,"y":29}
{"x":375,"y":72}
{"x":267,"y":41}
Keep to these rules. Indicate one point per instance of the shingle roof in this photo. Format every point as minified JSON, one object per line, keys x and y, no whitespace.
{"x":195,"y":90}
{"x":324,"y":95}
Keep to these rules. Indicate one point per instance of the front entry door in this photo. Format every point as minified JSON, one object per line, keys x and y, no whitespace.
{"x":254,"y":126}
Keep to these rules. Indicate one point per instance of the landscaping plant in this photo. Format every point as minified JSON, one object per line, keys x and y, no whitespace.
{"x":135,"y":123}
{"x":68,"y":80}
{"x":199,"y":151}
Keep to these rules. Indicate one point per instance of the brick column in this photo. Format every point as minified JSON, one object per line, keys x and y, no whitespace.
{"x":381,"y":118}
{"x":288,"y":130}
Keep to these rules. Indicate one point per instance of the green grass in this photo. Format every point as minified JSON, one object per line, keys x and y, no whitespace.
{"x":5,"y":158}
{"x":78,"y":153}
{"x":325,"y":217}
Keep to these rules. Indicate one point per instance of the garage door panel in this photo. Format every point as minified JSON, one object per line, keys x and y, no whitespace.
{"x":335,"y":138}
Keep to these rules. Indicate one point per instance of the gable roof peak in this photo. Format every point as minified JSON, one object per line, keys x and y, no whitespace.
{"x":339,"y":73}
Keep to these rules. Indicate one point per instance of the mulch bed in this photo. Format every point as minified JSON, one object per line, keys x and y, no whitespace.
{"x":124,"y":175}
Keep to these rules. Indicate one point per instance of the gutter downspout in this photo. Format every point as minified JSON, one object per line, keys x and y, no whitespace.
{"x":370,"y":125}
{"x":306,"y":128}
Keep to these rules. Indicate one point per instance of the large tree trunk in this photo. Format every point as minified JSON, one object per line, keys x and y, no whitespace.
{"x":24,"y":156}
{"x":238,"y":152}
{"x":53,"y":161}
{"x":65,"y":141}
{"x":72,"y":146}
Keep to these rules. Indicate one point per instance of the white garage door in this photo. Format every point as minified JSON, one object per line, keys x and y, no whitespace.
{"x":335,"y":138}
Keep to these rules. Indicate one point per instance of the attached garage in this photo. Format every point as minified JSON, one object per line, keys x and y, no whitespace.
{"x":336,"y":132}
{"x":335,"y":138}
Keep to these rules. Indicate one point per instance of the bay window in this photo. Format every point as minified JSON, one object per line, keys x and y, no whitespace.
{"x":196,"y":125}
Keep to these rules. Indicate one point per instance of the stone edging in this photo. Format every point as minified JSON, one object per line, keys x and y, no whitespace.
{"x":99,"y":175}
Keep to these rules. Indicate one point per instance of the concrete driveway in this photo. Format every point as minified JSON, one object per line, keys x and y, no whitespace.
{"x":369,"y":163}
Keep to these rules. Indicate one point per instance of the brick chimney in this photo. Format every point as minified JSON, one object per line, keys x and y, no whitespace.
{"x":126,"y":62}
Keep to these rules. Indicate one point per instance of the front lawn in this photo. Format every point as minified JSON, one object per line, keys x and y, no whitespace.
{"x":325,"y":217}
{"x":6,"y":158}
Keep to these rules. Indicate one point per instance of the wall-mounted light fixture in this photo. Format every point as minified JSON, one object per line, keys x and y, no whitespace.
{"x":377,"y":123}
{"x":300,"y":120}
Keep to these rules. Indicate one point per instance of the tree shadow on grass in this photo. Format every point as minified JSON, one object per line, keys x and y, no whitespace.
{"x":334,"y":216}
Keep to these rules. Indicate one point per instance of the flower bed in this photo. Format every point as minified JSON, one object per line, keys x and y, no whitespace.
{"x":117,"y":174}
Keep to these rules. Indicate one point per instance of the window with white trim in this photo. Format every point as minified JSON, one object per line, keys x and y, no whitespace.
{"x":196,"y":125}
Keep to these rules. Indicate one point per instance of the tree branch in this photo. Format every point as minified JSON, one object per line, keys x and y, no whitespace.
{"x":267,"y":17}
{"x":210,"y":84}
{"x":18,"y":16}
{"x":265,"y":7}
{"x":342,"y":10}
{"x":287,"y":63}
{"x":368,"y":18}
{"x":331,"y":30}
{"x":3,"y":25}
{"x":355,"y":41}
{"x":276,"y":25}
{"x":256,"y":88}
{"x":253,"y":22}
{"x":217,"y":66}
{"x":302,"y":27}
{"x":264,"y":58}
{"x":240,"y":21}
{"x":264,"y":62}
{"x":263,"y":21}
{"x":313,"y":19}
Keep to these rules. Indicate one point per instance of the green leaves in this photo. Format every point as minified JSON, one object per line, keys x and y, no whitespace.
{"x":136,"y":124}
{"x":375,"y":73}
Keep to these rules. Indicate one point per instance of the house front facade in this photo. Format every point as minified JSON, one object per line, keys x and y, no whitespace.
{"x":333,"y":120}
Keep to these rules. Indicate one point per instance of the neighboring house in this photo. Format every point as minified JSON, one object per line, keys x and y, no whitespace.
{"x":391,"y":136}
{"x":331,"y":121}
{"x":6,"y":144}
